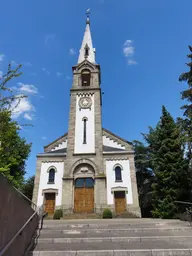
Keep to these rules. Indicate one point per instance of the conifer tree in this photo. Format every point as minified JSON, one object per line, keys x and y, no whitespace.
{"x":169,"y":166}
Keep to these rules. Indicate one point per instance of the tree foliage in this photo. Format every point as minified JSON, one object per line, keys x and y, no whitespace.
{"x":144,"y":176}
{"x":27,"y":187}
{"x":186,"y":122}
{"x":14,"y":150}
{"x":172,"y":179}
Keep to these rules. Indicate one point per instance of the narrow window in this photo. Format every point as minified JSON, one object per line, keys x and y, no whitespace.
{"x":118,"y":176}
{"x":85,"y":131}
{"x":86,"y":77}
{"x":51,"y":176}
{"x":86,"y":52}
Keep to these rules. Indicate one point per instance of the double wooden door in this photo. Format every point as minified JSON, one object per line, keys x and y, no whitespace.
{"x":120,"y":202}
{"x":84,"y":195}
{"x":50,"y":203}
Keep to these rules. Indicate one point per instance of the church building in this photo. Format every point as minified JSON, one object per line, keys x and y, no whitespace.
{"x":89,"y":168}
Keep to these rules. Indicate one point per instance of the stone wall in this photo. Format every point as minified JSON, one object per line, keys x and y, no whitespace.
{"x":14,"y":212}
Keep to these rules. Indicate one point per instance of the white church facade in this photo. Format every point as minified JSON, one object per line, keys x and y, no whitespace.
{"x":89,"y":168}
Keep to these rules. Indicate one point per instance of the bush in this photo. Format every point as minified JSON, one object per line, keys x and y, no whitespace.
{"x":107,"y":214}
{"x":58,"y":214}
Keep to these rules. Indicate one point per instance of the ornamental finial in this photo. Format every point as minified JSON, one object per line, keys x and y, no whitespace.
{"x":88,"y":14}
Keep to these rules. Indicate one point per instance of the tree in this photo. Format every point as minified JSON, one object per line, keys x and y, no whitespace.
{"x":172,"y":179}
{"x":14,"y":150}
{"x":186,"y":123}
{"x":144,"y":176}
{"x":27,"y":188}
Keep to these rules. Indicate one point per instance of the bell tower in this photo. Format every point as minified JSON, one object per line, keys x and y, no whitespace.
{"x":85,"y":120}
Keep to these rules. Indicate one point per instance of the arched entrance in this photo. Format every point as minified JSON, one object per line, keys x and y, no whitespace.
{"x":84,"y":189}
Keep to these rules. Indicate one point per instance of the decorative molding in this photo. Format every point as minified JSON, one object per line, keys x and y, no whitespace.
{"x":117,"y":159}
{"x":119,"y":188}
{"x":51,"y":161}
{"x":50,"y":190}
{"x":85,"y":94}
{"x":52,"y":167}
{"x":117,"y":165}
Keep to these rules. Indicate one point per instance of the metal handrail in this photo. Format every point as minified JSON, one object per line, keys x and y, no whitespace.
{"x":18,"y":233}
{"x":182,"y":202}
{"x":26,"y":197}
{"x":38,"y":211}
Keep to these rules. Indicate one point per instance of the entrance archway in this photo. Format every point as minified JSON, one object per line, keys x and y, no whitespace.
{"x":84,"y":189}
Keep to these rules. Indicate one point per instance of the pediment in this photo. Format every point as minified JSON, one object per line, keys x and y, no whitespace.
{"x":85,"y":65}
{"x":114,"y":141}
{"x":57,"y":144}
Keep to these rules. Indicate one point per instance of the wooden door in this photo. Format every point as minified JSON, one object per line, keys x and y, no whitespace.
{"x":50,"y":203}
{"x":120,"y":202}
{"x":84,"y":196}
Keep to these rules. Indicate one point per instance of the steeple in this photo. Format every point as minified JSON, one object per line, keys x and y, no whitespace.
{"x":87,"y":51}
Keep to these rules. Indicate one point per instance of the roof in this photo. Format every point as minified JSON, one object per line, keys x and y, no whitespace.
{"x":87,"y":44}
{"x":105,"y":149}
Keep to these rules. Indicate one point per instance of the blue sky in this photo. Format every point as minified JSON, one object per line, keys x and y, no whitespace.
{"x":141,"y":47}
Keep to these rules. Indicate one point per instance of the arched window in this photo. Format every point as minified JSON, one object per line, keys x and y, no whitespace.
{"x":118,"y":176}
{"x":86,"y":77}
{"x":51,"y":176}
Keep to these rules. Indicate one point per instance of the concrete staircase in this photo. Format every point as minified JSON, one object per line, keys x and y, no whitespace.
{"x":116,"y":237}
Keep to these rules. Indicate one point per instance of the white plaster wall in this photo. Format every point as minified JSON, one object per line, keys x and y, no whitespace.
{"x":60,"y":146}
{"x":58,"y":181}
{"x":126,"y":180}
{"x":89,"y":147}
{"x":111,"y":143}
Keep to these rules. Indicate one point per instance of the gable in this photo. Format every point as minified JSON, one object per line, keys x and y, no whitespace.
{"x":57,"y":144}
{"x":112,"y":140}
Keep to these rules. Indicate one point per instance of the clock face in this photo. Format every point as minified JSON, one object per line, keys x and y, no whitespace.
{"x":85,"y":102}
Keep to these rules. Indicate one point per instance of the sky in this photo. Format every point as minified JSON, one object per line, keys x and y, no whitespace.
{"x":140,"y":45}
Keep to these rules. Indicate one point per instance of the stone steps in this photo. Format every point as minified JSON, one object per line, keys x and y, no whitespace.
{"x":79,"y":233}
{"x":117,"y":237}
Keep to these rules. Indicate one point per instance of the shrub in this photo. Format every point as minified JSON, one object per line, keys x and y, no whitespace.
{"x":107,"y":214}
{"x":58,"y":214}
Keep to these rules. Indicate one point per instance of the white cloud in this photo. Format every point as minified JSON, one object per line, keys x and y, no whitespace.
{"x":129,"y":51}
{"x":1,"y":74}
{"x":72,"y":51}
{"x":132,"y":62}
{"x":22,"y":108}
{"x":59,"y":74}
{"x":43,"y":138}
{"x":2,"y":56}
{"x":128,"y":48}
{"x":28,"y":116}
{"x":46,"y":71}
{"x":27,"y":88}
{"x":68,"y":77}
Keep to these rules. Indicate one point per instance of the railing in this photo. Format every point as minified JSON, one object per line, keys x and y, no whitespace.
{"x":33,"y":205}
{"x":188,"y":211}
{"x":38,"y":211}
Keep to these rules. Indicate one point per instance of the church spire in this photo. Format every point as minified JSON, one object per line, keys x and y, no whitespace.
{"x":87,"y":52}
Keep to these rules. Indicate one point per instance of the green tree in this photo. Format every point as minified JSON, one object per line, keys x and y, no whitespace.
{"x":27,"y":187}
{"x":186,"y":122}
{"x":14,"y":150}
{"x":172,"y":179}
{"x":145,"y":177}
